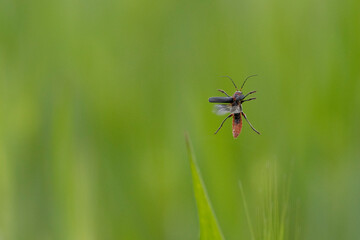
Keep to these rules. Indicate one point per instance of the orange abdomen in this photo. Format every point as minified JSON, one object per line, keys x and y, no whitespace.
{"x":237,"y":124}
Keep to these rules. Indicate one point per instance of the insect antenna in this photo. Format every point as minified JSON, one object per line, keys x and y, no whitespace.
{"x":246,"y":80}
{"x":232,"y":81}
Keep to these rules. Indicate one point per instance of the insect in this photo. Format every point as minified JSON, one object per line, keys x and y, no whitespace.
{"x":234,"y":107}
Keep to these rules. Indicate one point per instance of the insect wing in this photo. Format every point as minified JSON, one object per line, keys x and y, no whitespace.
{"x":221,"y":100}
{"x":221,"y":109}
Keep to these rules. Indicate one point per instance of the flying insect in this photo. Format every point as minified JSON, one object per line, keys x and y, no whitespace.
{"x":232,"y":105}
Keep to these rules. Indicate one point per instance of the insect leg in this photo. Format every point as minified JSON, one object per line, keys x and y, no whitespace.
{"x":223,"y":92}
{"x":249,"y":93}
{"x":248,"y":99}
{"x":249,"y":123}
{"x":222,"y":123}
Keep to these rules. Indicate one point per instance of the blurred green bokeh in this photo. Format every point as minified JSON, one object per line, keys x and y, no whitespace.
{"x":96,"y":96}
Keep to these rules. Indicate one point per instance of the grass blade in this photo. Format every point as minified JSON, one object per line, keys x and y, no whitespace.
{"x":247,"y":212}
{"x":209,"y":227}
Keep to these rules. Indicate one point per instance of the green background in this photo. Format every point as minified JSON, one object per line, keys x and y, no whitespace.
{"x":96,"y":96}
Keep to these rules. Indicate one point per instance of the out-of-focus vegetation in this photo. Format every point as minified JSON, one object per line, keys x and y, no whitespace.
{"x":95,"y":97}
{"x":209,"y":227}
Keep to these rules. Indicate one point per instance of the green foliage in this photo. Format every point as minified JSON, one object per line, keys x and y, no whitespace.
{"x":209,"y":227}
{"x":273,"y":222}
{"x":273,"y":213}
{"x":95,"y":97}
